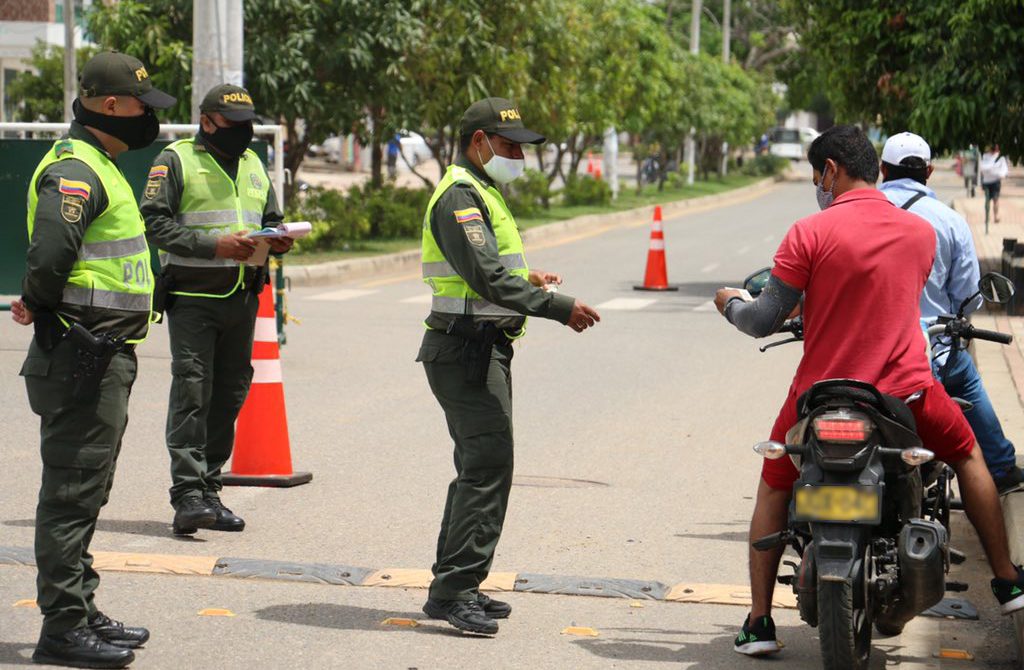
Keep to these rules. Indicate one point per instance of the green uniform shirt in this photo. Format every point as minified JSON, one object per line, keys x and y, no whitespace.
{"x":56,"y":242}
{"x":159,"y":205}
{"x":480,"y":266}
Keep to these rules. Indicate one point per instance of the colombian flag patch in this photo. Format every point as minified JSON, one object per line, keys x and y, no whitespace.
{"x":467,"y":215}
{"x":76,"y":188}
{"x":158,"y":171}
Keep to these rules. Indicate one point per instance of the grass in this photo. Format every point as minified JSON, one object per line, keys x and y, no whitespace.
{"x":628,"y":199}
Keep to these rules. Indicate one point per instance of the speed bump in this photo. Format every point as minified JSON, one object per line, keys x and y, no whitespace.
{"x":158,"y":563}
{"x":724,"y":594}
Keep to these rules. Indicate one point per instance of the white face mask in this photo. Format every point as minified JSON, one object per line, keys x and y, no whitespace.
{"x":503,"y":170}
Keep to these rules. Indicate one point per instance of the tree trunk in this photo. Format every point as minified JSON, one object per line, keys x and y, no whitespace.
{"x":293,"y":158}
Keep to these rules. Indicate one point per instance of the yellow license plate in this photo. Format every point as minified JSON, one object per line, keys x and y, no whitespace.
{"x":838,"y":503}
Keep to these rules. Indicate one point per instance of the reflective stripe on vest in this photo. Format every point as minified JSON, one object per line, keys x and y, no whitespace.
{"x":112,"y":270}
{"x":212,"y":204}
{"x":452,"y":295}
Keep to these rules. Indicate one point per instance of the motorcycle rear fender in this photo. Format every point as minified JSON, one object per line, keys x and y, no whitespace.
{"x":838,"y":550}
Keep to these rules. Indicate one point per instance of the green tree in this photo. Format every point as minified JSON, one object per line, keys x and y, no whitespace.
{"x":41,"y":90}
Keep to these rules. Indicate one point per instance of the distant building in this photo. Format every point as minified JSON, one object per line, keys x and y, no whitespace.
{"x":24,"y":23}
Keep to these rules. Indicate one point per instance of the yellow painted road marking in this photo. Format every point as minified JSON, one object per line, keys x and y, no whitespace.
{"x":396,"y":621}
{"x":159,"y":563}
{"x":214,"y":611}
{"x":723,"y":594}
{"x":25,"y":603}
{"x":581,"y":631}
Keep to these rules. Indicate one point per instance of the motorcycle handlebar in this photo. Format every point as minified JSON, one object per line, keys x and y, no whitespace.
{"x":990,"y":335}
{"x":968,"y":332}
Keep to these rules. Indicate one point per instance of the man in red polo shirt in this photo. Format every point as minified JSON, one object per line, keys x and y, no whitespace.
{"x":861,"y":265}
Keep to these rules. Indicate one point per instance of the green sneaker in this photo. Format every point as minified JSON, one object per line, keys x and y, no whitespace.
{"x":1010,"y":594}
{"x":757,"y":639}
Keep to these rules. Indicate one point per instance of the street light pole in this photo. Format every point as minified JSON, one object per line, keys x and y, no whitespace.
{"x":726,"y":39}
{"x":70,"y":66}
{"x":216,"y":47}
{"x":691,"y":145}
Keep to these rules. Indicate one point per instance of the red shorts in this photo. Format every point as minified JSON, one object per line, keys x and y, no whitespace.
{"x":940,"y":424}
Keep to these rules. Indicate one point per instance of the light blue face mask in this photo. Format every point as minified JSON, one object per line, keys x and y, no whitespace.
{"x":825,"y":198}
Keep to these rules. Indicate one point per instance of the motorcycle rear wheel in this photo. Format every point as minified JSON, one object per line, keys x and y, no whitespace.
{"x":843,"y":629}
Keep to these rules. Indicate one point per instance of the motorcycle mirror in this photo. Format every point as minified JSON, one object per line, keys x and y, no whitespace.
{"x":770,"y":450}
{"x":756,"y":282}
{"x":996,"y":288}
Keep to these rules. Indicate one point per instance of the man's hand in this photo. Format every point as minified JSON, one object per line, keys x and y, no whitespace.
{"x":540,"y":279}
{"x":237,"y":247}
{"x":280,"y":245}
{"x":21,"y":314}
{"x":722,"y":297}
{"x":583,"y":316}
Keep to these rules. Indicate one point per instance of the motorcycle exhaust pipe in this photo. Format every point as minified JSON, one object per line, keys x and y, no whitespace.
{"x":922,"y":558}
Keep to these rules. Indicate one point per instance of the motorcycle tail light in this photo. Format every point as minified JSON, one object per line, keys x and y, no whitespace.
{"x":843,"y":427}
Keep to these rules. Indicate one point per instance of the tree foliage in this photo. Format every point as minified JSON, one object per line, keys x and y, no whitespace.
{"x":41,"y":90}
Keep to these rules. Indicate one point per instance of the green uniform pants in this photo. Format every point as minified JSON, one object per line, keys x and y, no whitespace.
{"x":211,"y":369}
{"x":80,"y":442}
{"x":480,"y":422}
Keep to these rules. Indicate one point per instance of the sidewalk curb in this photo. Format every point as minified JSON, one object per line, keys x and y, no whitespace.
{"x":333,"y":272}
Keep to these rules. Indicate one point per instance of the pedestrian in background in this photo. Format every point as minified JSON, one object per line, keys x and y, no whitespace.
{"x":969,"y":169}
{"x":993,"y":170}
{"x":473,"y":259}
{"x":204,"y":196}
{"x":394,"y":148}
{"x":88,"y":291}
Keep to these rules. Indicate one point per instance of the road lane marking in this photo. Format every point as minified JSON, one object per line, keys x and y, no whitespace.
{"x":626,"y":304}
{"x":343,"y":294}
{"x":769,"y":238}
{"x":743,"y":251}
{"x":424,"y":299}
{"x":708,"y":306}
{"x":710,"y":267}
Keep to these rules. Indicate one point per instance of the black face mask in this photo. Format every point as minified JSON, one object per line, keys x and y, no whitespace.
{"x":231,"y":140}
{"x":135,"y":131}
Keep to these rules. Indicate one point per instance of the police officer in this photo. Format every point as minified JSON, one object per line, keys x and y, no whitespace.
{"x":87,"y":290}
{"x":203,"y":197}
{"x":473,"y":260}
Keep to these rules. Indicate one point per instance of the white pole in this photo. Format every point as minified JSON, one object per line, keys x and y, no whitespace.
{"x":610,"y":154}
{"x":70,"y":66}
{"x":691,"y":145}
{"x":216,"y":47}
{"x":726,"y":39}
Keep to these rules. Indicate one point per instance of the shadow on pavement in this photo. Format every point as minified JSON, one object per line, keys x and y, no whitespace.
{"x":350,"y":617}
{"x":732,"y":536}
{"x":149,"y":528}
{"x":16,"y":653}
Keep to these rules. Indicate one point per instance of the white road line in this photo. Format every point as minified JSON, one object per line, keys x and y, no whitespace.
{"x":424,"y":299}
{"x":626,"y":303}
{"x":711,"y":267}
{"x":742,"y":251}
{"x":709,"y":306}
{"x":769,"y":238}
{"x":343,"y":294}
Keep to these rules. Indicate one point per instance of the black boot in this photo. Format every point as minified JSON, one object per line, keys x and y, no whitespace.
{"x":81,"y":648}
{"x":226,"y":519}
{"x":495,"y":609}
{"x":115,"y":632}
{"x":192,"y":512}
{"x":465,"y":615}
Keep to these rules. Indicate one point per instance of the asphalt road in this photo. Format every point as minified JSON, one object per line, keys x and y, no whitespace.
{"x":633,"y":461}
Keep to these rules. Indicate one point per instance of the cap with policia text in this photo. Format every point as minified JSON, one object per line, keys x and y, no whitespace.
{"x":113,"y":73}
{"x":498,"y":116}
{"x":233,"y":102}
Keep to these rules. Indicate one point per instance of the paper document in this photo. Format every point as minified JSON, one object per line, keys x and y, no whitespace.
{"x":294,"y":230}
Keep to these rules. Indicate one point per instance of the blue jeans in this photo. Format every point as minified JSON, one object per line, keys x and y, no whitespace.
{"x":961,"y":379}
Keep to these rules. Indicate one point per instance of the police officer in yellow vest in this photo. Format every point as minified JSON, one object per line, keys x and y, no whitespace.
{"x":203,"y":197}
{"x":473,"y":259}
{"x":87,"y":291}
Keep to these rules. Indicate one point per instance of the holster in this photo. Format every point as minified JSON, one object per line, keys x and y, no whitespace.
{"x":48,"y":329}
{"x":479,"y":340}
{"x":92,"y":358}
{"x":260,"y":279}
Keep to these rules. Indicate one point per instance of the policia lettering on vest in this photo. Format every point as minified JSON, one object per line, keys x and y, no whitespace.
{"x":87,"y":290}
{"x":203,"y":197}
{"x":483,"y":290}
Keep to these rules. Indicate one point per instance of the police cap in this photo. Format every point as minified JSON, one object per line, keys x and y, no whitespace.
{"x":498,"y":116}
{"x":113,"y":73}
{"x":234,"y":102}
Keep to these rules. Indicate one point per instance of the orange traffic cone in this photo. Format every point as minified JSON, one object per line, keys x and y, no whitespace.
{"x":590,"y":162}
{"x":262,"y":456}
{"x":597,"y":173}
{"x":656,"y":276}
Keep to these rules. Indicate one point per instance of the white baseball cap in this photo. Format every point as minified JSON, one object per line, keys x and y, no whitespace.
{"x":905,"y":145}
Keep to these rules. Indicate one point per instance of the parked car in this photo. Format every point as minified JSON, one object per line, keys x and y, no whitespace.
{"x":414,"y":147}
{"x":808,"y":135}
{"x":785,"y":142}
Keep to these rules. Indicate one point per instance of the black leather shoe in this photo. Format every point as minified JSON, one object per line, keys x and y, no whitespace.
{"x":1009,"y":481}
{"x":226,"y":519}
{"x":193,"y":513}
{"x":81,"y":648}
{"x":465,"y":615}
{"x":115,"y":632}
{"x":495,"y":609}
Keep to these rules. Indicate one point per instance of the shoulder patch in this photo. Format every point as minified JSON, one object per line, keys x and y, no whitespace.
{"x":475,"y":234}
{"x":63,"y":147}
{"x":468,"y":215}
{"x":71,"y":187}
{"x":71,"y":207}
{"x":158,"y":172}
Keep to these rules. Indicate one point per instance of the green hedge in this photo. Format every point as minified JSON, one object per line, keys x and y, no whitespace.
{"x":586,"y":191}
{"x":765,"y":165}
{"x":360,"y":213}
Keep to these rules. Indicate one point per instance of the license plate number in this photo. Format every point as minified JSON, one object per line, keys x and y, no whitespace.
{"x":838,"y":503}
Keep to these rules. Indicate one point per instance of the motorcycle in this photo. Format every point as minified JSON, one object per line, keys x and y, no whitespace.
{"x":869,"y":517}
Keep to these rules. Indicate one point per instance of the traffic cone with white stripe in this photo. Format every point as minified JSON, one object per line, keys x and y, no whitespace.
{"x":262,"y":455}
{"x":656,"y":276}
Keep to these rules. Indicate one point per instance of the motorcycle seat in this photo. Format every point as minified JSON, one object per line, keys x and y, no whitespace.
{"x":836,"y":392}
